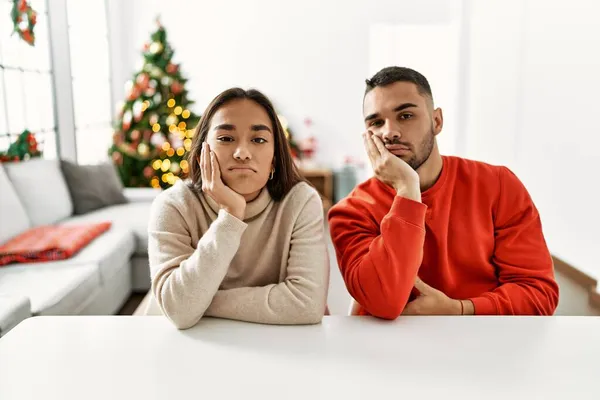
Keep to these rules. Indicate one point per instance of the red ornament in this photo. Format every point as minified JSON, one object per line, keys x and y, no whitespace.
{"x":176,"y":87}
{"x":142,"y":80}
{"x":134,"y":94}
{"x":172,"y":68}
{"x":27,"y":36}
{"x":148,"y":172}
{"x":23,"y":5}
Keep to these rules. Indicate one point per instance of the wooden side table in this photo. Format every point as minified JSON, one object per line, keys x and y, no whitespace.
{"x":322,"y":180}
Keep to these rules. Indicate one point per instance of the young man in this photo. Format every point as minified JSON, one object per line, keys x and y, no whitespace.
{"x":431,"y":234}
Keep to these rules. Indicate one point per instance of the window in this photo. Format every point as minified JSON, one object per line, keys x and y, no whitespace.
{"x":26,"y":94}
{"x":90,"y":70}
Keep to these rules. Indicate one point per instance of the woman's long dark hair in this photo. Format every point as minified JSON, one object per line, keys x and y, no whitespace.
{"x":286,"y":174}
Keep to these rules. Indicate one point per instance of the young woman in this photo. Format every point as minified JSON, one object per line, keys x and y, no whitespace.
{"x":244,"y":238}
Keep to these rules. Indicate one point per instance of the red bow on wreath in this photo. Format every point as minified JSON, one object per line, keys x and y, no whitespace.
{"x":24,"y":19}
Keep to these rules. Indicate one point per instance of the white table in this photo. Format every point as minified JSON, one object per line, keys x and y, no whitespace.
{"x":343,"y":358}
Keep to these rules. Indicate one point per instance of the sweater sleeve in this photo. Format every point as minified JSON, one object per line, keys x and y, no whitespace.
{"x":185,"y":279}
{"x":521,"y":256}
{"x":301,"y":297}
{"x":379,"y":263}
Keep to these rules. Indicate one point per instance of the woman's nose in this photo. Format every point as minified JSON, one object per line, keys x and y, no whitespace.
{"x":242,"y":153}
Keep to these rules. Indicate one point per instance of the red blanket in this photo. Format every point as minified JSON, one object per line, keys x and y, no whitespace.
{"x":49,"y":243}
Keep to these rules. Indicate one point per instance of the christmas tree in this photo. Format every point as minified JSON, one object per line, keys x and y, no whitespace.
{"x":24,"y":148}
{"x":155,"y":125}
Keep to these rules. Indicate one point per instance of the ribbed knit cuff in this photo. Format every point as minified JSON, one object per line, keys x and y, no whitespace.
{"x":484,"y":306}
{"x":409,"y":210}
{"x":231,"y":223}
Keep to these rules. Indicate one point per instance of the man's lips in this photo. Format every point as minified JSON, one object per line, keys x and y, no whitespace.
{"x":392,"y":147}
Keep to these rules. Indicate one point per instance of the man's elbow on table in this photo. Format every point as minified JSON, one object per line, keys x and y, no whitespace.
{"x":385,"y":308}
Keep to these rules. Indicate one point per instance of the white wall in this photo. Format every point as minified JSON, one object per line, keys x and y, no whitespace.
{"x":534,"y":79}
{"x":527,"y":91}
{"x":310,"y":57}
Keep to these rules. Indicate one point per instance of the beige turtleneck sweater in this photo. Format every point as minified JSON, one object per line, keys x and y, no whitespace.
{"x":271,"y":268}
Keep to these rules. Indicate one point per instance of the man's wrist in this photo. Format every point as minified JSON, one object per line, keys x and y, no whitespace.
{"x":467,"y":307}
{"x":409,"y":192}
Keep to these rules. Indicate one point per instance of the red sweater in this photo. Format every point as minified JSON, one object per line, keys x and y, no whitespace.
{"x":476,"y":235}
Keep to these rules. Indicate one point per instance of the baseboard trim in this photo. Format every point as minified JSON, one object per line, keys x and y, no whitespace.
{"x":579,"y":277}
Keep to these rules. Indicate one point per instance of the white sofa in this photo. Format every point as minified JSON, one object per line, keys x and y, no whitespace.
{"x":95,"y":281}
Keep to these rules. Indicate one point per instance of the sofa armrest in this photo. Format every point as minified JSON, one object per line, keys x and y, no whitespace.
{"x":140,"y":195}
{"x":13,"y":310}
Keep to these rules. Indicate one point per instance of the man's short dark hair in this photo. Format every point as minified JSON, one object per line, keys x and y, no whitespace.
{"x":389,"y":75}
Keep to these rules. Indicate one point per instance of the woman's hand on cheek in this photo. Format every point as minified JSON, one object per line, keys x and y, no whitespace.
{"x":212,"y":184}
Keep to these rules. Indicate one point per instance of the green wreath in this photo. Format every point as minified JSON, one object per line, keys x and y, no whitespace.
{"x":24,"y":19}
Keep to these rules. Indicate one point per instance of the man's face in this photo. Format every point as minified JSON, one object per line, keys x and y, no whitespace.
{"x":404,"y":119}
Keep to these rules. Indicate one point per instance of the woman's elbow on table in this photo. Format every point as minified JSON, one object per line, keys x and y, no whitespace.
{"x":180,"y":321}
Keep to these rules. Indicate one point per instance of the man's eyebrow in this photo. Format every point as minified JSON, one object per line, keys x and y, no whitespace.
{"x":372,"y":116}
{"x":404,"y":106}
{"x":399,"y":108}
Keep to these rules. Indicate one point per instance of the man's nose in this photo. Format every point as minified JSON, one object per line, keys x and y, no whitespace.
{"x":390,"y":132}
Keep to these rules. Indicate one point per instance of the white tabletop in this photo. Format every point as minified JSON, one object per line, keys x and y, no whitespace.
{"x":342,"y":358}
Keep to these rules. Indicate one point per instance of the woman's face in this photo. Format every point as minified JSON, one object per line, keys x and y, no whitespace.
{"x":241,"y":136}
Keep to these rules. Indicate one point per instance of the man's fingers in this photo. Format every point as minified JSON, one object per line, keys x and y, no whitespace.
{"x":371,"y":149}
{"x":371,"y":145}
{"x":412,"y":307}
{"x":379,"y":144}
{"x":422,"y":286}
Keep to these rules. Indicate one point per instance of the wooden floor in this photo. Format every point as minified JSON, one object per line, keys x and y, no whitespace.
{"x":131,"y":304}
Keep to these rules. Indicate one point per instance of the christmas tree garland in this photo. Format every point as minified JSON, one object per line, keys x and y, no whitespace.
{"x":24,"y":19}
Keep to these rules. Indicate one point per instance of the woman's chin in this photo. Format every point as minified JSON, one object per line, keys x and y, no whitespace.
{"x":249,"y":191}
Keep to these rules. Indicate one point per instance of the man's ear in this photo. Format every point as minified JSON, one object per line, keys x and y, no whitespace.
{"x":438,"y":121}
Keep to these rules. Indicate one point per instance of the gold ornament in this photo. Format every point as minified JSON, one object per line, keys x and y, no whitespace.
{"x":172,"y":120}
{"x":155,"y":47}
{"x":143,"y":149}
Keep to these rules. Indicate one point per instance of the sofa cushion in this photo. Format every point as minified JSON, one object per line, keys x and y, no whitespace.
{"x":93,"y":186}
{"x":13,"y":310}
{"x":12,"y":212}
{"x":52,"y":289}
{"x":131,"y":216}
{"x":42,"y":189}
{"x":109,"y":252}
